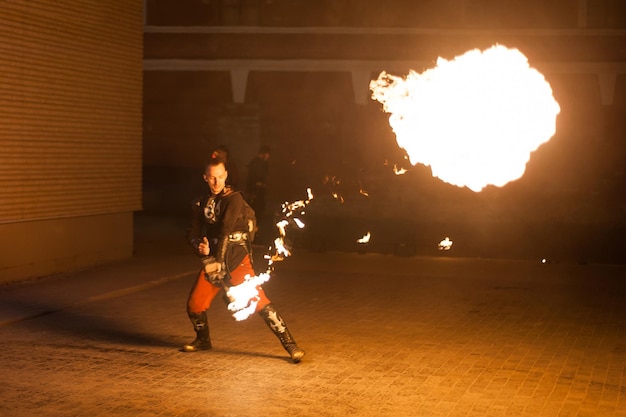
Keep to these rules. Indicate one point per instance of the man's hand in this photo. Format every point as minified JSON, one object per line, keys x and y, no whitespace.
{"x":203,"y":247}
{"x":210,"y":266}
{"x":214,"y":272}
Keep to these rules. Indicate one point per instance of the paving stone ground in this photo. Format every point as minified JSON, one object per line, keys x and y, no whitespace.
{"x":384,"y":335}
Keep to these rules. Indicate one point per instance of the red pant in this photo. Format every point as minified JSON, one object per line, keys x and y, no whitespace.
{"x":203,"y":292}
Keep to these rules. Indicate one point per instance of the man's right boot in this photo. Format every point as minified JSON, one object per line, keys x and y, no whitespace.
{"x":201,"y":326}
{"x":277,"y":325}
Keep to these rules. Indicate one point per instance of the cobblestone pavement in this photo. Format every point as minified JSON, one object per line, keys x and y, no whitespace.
{"x":384,"y":335}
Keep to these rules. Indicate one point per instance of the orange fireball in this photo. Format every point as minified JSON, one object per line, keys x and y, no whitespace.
{"x":474,"y":120}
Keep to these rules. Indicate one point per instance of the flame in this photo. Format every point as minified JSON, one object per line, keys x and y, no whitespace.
{"x":475,"y":119}
{"x":288,"y":209}
{"x":445,"y":244}
{"x":281,"y":250}
{"x":245,"y":296}
{"x":398,"y":171}
{"x":281,"y":225}
{"x":364,"y":239}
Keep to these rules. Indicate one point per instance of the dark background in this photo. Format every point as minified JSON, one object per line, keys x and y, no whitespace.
{"x":569,"y":205}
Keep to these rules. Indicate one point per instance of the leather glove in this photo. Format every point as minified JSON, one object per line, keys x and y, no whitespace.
{"x":214,"y":271}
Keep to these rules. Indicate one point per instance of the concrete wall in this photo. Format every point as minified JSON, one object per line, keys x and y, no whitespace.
{"x":70,"y":149}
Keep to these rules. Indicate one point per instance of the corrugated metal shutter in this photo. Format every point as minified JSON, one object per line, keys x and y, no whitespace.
{"x":70,"y":108}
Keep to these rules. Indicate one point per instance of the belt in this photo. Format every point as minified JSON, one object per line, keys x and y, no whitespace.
{"x":238,"y":237}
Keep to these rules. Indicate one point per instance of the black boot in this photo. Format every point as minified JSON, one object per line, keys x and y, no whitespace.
{"x":277,"y":325}
{"x":201,"y":326}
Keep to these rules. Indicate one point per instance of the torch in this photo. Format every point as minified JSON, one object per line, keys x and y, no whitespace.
{"x":241,"y":299}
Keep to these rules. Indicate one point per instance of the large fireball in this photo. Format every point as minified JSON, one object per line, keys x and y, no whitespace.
{"x":475,"y":119}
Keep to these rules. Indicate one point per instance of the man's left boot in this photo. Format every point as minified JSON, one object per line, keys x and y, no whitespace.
{"x":203,"y":339}
{"x":277,"y":325}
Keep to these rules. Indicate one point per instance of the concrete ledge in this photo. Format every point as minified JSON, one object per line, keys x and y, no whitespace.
{"x":32,"y":249}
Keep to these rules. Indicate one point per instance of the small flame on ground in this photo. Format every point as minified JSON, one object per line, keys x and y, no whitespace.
{"x":364,"y":239}
{"x":473,"y":120}
{"x":445,"y":244}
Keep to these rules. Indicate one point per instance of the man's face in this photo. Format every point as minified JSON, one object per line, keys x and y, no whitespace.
{"x":216,"y":176}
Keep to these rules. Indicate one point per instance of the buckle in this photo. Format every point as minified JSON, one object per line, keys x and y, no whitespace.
{"x":238,"y":236}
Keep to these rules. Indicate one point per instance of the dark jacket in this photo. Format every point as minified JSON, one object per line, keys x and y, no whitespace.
{"x":219,"y":218}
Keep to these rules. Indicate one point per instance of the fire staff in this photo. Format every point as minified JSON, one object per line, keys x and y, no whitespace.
{"x":219,"y":229}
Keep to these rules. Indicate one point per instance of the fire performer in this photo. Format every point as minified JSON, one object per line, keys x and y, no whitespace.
{"x":218,"y":228}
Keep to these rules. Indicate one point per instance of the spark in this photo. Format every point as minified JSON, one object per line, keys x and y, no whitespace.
{"x":245,"y":296}
{"x":338,"y":197}
{"x":332,"y":180}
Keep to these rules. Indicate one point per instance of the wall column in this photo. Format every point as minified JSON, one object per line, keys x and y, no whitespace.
{"x":239,"y":83}
{"x":607,"y":87}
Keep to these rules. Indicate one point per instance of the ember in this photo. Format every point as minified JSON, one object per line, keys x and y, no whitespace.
{"x":399,"y":171}
{"x":445,"y":244}
{"x":288,"y":210}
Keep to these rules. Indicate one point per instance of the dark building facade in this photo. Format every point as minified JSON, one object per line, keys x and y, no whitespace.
{"x":295,"y":74}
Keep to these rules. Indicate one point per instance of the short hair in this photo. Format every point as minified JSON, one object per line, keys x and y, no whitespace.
{"x":221,"y":151}
{"x":214,"y":161}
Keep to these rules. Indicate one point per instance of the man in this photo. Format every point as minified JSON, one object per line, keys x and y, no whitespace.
{"x":218,"y":228}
